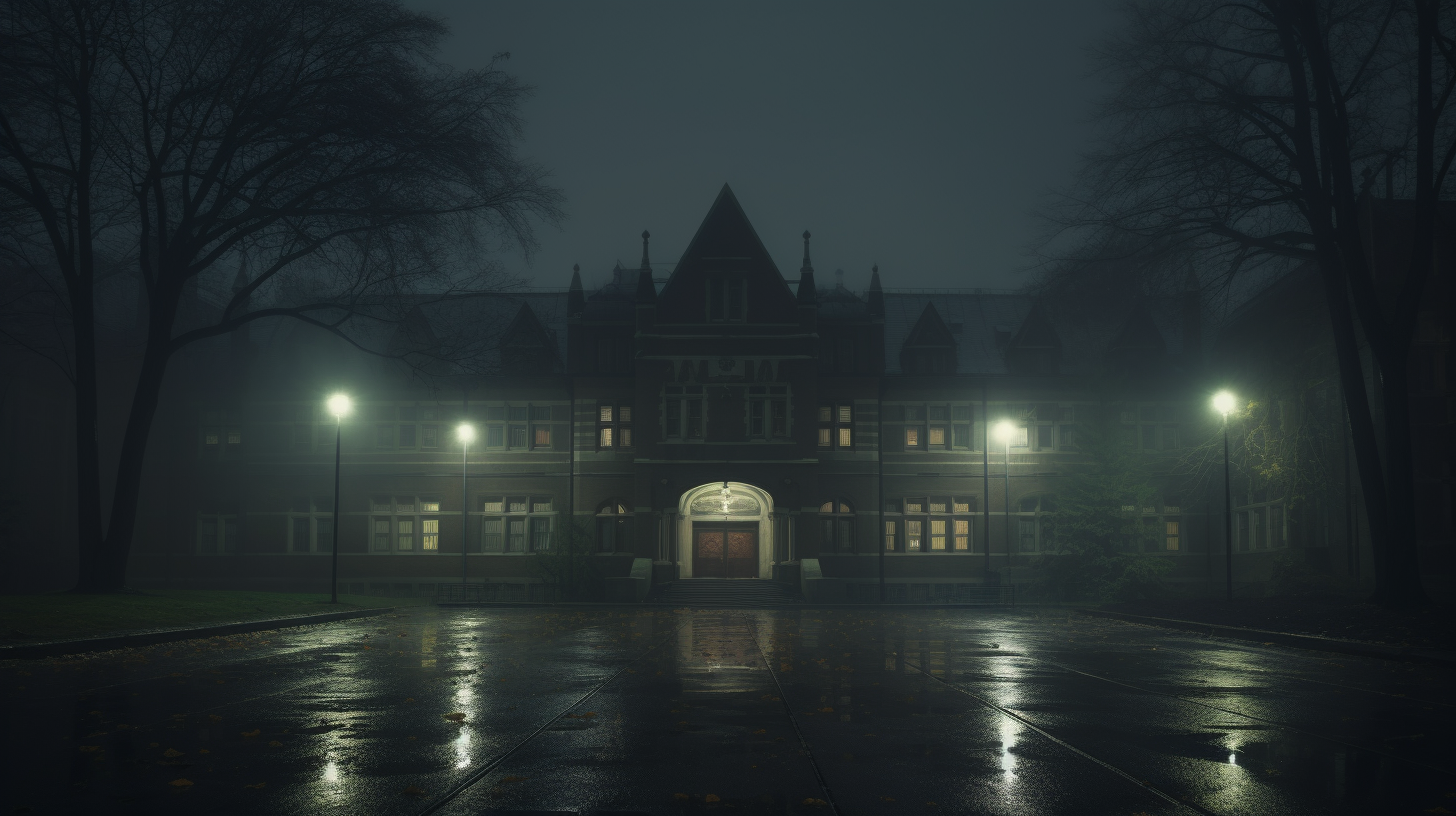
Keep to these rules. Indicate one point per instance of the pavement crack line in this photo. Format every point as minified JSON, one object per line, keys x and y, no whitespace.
{"x":1006,"y":712}
{"x":485,"y":769}
{"x":784,"y":698}
{"x":1236,"y":713}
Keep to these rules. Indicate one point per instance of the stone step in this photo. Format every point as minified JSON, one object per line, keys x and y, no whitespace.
{"x":725,"y":593}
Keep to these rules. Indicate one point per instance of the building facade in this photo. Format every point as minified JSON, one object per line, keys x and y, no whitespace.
{"x":726,"y":421}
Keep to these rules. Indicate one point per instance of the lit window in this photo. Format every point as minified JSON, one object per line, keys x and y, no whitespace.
{"x":543,"y":437}
{"x":406,"y":538}
{"x":234,"y":436}
{"x":846,"y":438}
{"x":606,"y":440}
{"x":429,"y":505}
{"x":912,"y":534}
{"x":430,"y":534}
{"x":937,"y":434}
{"x":912,"y":437}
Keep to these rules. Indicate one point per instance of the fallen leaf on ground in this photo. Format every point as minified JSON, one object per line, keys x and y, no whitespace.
{"x":455,"y":716}
{"x":815,"y":802}
{"x":826,"y":710}
{"x":214,"y":717}
{"x":203,"y":751}
{"x":514,"y":779}
{"x":414,"y":790}
{"x":256,"y":785}
{"x":681,"y":797}
{"x":274,"y":744}
{"x":181,"y":783}
{"x":171,"y":752}
{"x":409,"y":699}
{"x":255,"y":732}
{"x":89,"y":748}
{"x":712,"y":797}
{"x":761,"y":731}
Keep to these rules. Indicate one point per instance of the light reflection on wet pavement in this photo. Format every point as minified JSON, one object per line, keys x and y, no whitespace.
{"x":933,"y":711}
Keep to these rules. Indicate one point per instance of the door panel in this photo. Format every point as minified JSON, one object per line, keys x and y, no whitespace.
{"x":742,"y":554}
{"x":708,"y":552}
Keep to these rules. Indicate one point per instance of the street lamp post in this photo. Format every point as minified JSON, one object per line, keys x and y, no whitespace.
{"x":466,"y":434}
{"x":1005,"y":430}
{"x":340,"y":406}
{"x":1223,"y":402}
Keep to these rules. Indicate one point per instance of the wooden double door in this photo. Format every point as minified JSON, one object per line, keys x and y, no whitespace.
{"x":725,"y":550}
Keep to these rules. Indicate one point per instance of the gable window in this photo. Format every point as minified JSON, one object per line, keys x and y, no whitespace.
{"x":836,"y":527}
{"x":683,"y":412}
{"x":727,"y":298}
{"x":614,"y":426}
{"x":614,"y":527}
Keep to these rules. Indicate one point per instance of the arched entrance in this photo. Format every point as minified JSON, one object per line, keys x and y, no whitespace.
{"x":724,"y":531}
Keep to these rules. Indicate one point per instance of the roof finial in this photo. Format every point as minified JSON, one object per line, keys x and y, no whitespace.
{"x":807,"y":267}
{"x":646,"y":264}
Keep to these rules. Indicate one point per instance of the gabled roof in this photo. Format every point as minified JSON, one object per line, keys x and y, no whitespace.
{"x":930,"y":331}
{"x":726,"y":242}
{"x":1036,"y":332}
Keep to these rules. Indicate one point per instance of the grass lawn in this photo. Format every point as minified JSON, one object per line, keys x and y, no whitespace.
{"x":63,"y":615}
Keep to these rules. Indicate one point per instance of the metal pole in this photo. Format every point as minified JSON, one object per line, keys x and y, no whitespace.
{"x":334,"y":576}
{"x":985,"y":477}
{"x":1228,"y":518}
{"x":1008,"y":503}
{"x":464,"y":515}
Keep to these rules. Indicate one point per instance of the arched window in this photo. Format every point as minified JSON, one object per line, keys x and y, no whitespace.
{"x":614,"y":526}
{"x":836,"y":523}
{"x":1033,"y":524}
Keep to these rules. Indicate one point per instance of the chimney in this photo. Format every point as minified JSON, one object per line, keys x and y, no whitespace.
{"x":646,"y":289}
{"x":575,"y":298}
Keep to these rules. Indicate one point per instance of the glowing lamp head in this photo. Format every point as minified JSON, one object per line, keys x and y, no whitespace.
{"x":465,"y":433}
{"x":1005,"y":431}
{"x":340,"y":405}
{"x":1223,"y":402}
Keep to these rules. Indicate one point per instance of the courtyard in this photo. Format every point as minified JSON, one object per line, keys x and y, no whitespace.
{"x":638,"y":710}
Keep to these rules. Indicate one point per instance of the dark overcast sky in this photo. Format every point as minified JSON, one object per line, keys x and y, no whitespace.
{"x":916,"y":135}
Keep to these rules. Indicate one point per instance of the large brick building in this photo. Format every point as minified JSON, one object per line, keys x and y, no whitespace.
{"x":725,"y":421}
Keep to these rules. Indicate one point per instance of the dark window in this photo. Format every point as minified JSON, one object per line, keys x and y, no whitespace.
{"x":727,"y":299}
{"x":836,"y":522}
{"x":494,"y":436}
{"x":517,"y":413}
{"x":614,"y":527}
{"x":518,"y":436}
{"x":406,"y":436}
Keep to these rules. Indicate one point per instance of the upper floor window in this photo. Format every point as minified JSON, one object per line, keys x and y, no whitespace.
{"x":836,"y":426}
{"x":768,"y":411}
{"x":614,"y":426}
{"x":683,"y":412}
{"x":727,"y":298}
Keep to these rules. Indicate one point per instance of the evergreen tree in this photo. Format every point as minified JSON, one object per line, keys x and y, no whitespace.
{"x":1097,"y":530}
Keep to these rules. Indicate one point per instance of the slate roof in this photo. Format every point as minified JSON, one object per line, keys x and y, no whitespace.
{"x":1085,"y":334}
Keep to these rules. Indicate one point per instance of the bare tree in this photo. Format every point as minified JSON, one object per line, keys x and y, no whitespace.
{"x":1238,"y":138}
{"x":319,"y":137}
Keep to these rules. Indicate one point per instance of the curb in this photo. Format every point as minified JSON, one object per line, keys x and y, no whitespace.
{"x":31,"y":651}
{"x":1312,"y":642}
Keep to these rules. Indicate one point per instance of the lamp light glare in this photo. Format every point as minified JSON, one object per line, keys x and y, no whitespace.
{"x":465,"y":433}
{"x":1223,"y":402}
{"x":340,"y":405}
{"x":1005,"y":431}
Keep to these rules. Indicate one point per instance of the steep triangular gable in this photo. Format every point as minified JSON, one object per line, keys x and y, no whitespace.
{"x":930,"y":330}
{"x":527,"y":346}
{"x":1036,"y":332}
{"x":726,"y":243}
{"x":930,"y":348}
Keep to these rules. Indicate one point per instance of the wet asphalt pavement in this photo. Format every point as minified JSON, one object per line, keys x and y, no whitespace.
{"x":655,"y":711}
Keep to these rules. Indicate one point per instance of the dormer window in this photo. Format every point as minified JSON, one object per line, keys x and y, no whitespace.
{"x":727,"y":299}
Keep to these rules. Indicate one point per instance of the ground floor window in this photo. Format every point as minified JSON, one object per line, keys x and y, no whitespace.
{"x":217,"y":534}
{"x":933,"y":524}
{"x":1033,"y":524}
{"x":614,"y":527}
{"x":404,"y":524}
{"x":836,"y":526}
{"x":516,"y":524}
